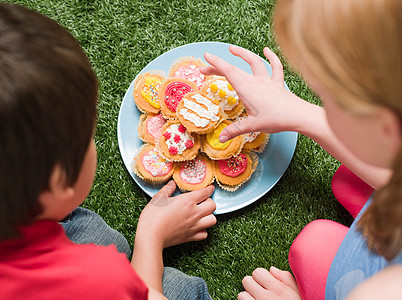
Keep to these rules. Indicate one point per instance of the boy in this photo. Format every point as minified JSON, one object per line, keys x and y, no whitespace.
{"x":47,"y":165}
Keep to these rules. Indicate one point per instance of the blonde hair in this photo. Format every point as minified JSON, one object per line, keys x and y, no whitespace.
{"x":354,"y":48}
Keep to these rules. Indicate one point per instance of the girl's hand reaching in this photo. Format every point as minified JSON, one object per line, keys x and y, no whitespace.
{"x":270,"y":107}
{"x":272,"y":284}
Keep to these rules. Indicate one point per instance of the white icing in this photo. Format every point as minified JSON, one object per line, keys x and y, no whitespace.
{"x":193,"y":118}
{"x":197,"y":114}
{"x":184,"y":137}
{"x":223,"y":85}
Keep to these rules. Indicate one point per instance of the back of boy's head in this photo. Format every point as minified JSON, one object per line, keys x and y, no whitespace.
{"x":47,"y":111}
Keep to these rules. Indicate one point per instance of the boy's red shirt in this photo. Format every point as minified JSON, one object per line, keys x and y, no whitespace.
{"x":45,"y":264}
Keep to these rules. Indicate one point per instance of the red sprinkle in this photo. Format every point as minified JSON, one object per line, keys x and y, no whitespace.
{"x":189,"y":144}
{"x":167,"y":135}
{"x":173,"y":150}
{"x":182,"y":129}
{"x":177,"y":138}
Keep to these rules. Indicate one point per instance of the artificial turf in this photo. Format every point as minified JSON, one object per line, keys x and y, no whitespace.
{"x":121,"y":37}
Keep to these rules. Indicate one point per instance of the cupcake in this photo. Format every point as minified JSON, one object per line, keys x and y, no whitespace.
{"x":151,"y":167}
{"x":171,"y":93}
{"x":150,"y":127}
{"x":220,"y":89}
{"x":255,"y":141}
{"x":217,"y":150}
{"x":194,"y":174}
{"x":146,"y":90}
{"x":188,"y":68}
{"x":176,"y":143}
{"x":198,"y":113}
{"x":231,"y":173}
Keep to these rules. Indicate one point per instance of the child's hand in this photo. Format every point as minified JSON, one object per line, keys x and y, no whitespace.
{"x":169,"y":221}
{"x":272,"y":284}
{"x":270,"y":107}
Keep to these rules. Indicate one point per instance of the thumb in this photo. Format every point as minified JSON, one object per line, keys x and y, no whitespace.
{"x":163,"y":195}
{"x":235,"y":129}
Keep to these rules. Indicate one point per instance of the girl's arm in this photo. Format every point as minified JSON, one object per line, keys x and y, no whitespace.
{"x":271,"y":108}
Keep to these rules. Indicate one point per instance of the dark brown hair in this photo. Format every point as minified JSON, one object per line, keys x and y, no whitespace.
{"x":48,"y":95}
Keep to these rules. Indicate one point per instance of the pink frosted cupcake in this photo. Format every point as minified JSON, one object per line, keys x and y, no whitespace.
{"x":189,"y":68}
{"x":150,"y":128}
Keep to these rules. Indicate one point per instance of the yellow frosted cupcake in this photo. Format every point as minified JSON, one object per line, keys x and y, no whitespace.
{"x":146,"y":90}
{"x":217,"y":150}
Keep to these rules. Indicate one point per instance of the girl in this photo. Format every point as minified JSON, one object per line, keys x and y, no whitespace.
{"x":349,"y":51}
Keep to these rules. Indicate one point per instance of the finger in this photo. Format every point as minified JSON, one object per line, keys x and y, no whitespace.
{"x":210,"y":70}
{"x":207,"y":221}
{"x":277,"y":67}
{"x":207,"y":207}
{"x":237,"y":128}
{"x":200,"y":235}
{"x":255,"y":62}
{"x":165,"y":192}
{"x":252,"y":287}
{"x":284,"y":276}
{"x":233,"y":74}
{"x":264,"y":278}
{"x":200,"y":195}
{"x":244,"y":296}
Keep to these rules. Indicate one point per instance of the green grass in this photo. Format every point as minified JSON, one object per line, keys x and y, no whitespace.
{"x":121,"y":37}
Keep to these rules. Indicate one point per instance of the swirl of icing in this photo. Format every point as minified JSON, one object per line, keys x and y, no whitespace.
{"x":154,"y":125}
{"x":150,"y":90}
{"x":174,"y":92}
{"x":154,"y":164}
{"x":213,"y":138}
{"x":233,"y":166}
{"x":193,"y":171}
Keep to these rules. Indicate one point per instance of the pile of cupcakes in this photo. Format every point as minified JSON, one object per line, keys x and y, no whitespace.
{"x":183,"y":116}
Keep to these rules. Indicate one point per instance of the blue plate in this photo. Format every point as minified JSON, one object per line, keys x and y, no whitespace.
{"x":273,"y":161}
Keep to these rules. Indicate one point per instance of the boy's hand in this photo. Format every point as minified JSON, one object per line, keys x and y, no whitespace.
{"x":270,"y":107}
{"x":272,"y":284}
{"x":169,"y":221}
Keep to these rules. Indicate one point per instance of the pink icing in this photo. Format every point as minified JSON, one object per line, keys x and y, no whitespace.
{"x":190,"y":72}
{"x":233,"y":166}
{"x":174,"y":93}
{"x":193,"y":171}
{"x":155,"y":164}
{"x":154,"y":126}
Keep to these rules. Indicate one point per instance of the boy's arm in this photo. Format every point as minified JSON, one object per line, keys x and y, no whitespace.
{"x":271,"y":108}
{"x":168,"y":221}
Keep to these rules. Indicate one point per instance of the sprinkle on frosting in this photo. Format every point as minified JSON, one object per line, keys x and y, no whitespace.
{"x":176,"y":140}
{"x":154,"y":164}
{"x":222,"y":90}
{"x":193,"y":171}
{"x":201,"y":112}
{"x":150,"y":90}
{"x":213,"y":138}
{"x":249,"y":137}
{"x":174,"y":93}
{"x":233,"y":166}
{"x":190,"y":72}
{"x":154,"y":125}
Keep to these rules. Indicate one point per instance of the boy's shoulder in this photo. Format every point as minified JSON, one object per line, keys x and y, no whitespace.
{"x":47,"y":265}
